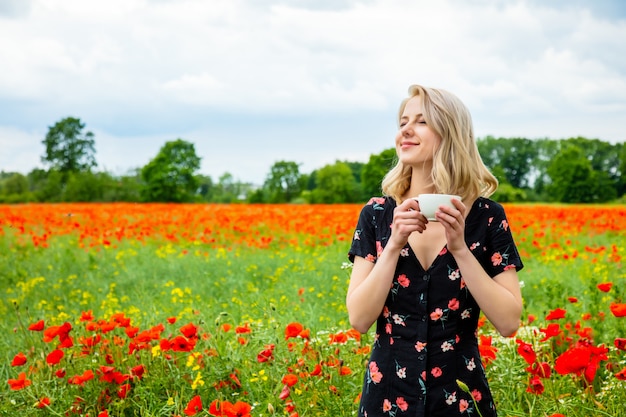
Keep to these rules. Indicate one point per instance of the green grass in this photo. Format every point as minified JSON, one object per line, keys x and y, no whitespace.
{"x":266,"y":290}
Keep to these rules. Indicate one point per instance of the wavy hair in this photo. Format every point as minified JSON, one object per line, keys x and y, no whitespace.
{"x":457,"y":165}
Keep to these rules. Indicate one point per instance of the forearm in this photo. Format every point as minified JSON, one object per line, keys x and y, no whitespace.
{"x":367,"y":294}
{"x":502,"y":306}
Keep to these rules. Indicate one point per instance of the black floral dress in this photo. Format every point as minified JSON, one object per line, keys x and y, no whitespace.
{"x":426,"y":333}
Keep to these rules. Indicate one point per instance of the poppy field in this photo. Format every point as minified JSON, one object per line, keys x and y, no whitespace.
{"x":239,"y":310}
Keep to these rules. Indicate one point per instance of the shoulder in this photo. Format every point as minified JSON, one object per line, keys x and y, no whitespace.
{"x":377,"y":209}
{"x":486,"y":213}
{"x":485,"y":207}
{"x":378,"y":204}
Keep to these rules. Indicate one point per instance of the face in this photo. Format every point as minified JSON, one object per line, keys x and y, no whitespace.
{"x":416,"y":142}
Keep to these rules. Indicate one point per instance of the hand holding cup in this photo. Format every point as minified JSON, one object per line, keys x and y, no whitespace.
{"x":430,"y":203}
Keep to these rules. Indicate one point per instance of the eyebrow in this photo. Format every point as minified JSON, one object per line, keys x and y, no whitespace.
{"x":418,"y":115}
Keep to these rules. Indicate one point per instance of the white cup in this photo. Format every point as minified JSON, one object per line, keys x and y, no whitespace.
{"x":429,"y":203}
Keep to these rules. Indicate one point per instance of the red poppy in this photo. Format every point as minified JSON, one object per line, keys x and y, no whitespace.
{"x":290,"y":380}
{"x":618,"y":309}
{"x":131,"y":331}
{"x":621,"y":375}
{"x":266,"y":354}
{"x":572,"y":300}
{"x":62,"y":332}
{"x":104,"y":413}
{"x":556,"y":314}
{"x":189,"y":331}
{"x":581,"y":360}
{"x":235,"y":379}
{"x":573,"y":361}
{"x":66,"y":342}
{"x":228,"y":409}
{"x":553,"y":329}
{"x":37,"y":327}
{"x":194,"y":406}
{"x":317,"y":370}
{"x":86,"y":316}
{"x":20,"y":383}
{"x":526,"y":351}
{"x":605,"y":286}
{"x":620,"y":343}
{"x":340,"y":338}
{"x":541,"y":370}
{"x":487,"y":350}
{"x":214,"y":408}
{"x":19,"y":359}
{"x":243,"y":329}
{"x":107,"y":327}
{"x":171,"y":320}
{"x":293,"y":330}
{"x":107,"y":373}
{"x":535,"y":385}
{"x":122,"y":392}
{"x":91,"y":341}
{"x":181,"y":344}
{"x":284,"y":394}
{"x":138,"y":371}
{"x":43,"y":402}
{"x":354,"y":334}
{"x":81,"y":379}
{"x":54,"y":357}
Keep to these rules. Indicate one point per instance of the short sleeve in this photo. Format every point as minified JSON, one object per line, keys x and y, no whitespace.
{"x":364,"y":241}
{"x":501,"y":249}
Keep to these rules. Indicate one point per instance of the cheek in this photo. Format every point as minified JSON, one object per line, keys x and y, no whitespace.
{"x":435,"y":140}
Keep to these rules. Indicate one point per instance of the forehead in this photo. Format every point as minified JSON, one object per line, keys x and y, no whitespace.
{"x":412,"y":106}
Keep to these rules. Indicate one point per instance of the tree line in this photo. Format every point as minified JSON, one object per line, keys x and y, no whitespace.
{"x":573,"y":170}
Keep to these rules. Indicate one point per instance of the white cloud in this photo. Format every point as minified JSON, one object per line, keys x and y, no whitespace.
{"x":140,"y":72}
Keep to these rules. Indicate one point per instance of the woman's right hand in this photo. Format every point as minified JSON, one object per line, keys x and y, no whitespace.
{"x":407,"y":219}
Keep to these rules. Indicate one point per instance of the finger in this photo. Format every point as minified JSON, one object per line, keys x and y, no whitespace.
{"x":458,"y":204}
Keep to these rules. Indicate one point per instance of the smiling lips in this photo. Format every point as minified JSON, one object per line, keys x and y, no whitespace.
{"x":406,"y":144}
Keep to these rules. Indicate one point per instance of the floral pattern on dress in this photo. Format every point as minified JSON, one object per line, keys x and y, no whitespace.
{"x":425,"y":336}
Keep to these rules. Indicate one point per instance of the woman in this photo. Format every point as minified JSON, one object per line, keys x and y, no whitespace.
{"x":424,"y":282}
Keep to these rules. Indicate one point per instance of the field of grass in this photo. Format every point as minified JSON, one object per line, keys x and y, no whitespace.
{"x":234,"y":310}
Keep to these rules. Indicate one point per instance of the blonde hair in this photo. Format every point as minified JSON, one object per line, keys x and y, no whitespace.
{"x":457,"y":165}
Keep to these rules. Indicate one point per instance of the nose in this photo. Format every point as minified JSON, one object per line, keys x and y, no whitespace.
{"x":406,"y":130}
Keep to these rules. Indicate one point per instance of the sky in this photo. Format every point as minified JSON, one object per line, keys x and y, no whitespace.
{"x":254,"y":82}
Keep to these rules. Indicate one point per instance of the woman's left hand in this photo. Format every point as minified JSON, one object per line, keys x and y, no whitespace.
{"x":453,"y":221}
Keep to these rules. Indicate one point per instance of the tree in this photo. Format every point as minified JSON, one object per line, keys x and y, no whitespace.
{"x":573,"y":179}
{"x":547,"y":149}
{"x":47,"y":186}
{"x":336,"y":184}
{"x":621,"y":190}
{"x":283,"y":182}
{"x":227,"y":189}
{"x":375,"y":170}
{"x":514,"y":156}
{"x":170,"y":176}
{"x":68,"y":148}
{"x":91,"y":187}
{"x":205,"y":187}
{"x":14,"y":188}
{"x":604,"y":158}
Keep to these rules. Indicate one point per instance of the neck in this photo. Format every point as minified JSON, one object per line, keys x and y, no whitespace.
{"x":421,"y":182}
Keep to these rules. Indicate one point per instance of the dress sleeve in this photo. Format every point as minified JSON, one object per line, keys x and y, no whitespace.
{"x":364,"y":242}
{"x":502,"y":251}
